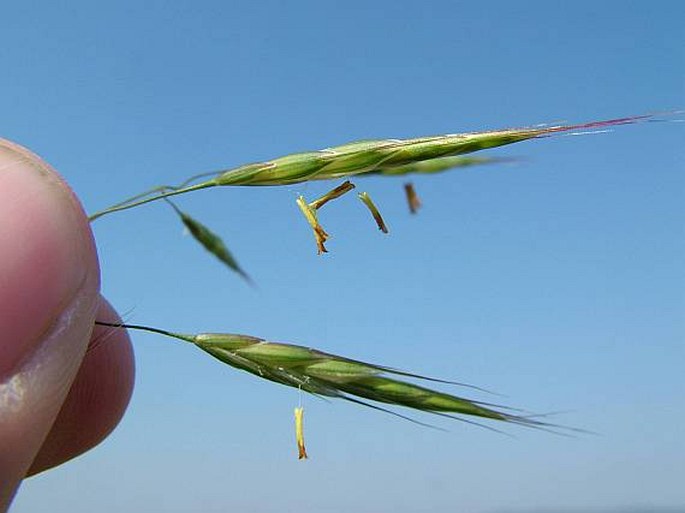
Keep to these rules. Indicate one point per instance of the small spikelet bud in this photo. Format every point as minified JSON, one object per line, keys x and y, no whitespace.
{"x":210,"y":241}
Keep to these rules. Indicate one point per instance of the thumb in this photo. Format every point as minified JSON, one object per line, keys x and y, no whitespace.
{"x":49,"y":281}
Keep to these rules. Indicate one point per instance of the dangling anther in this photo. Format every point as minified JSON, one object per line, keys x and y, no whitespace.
{"x":412,"y":198}
{"x":366,"y":199}
{"x":299,"y":433}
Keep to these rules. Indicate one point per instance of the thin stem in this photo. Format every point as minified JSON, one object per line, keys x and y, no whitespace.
{"x":155,"y":190}
{"x":173,"y":205}
{"x":165,"y":188}
{"x":198,"y":176}
{"x":139,"y":327}
{"x":126,"y":206}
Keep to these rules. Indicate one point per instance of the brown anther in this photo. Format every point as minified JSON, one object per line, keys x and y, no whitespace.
{"x":412,"y":198}
{"x":321,"y":236}
{"x":332,"y":194}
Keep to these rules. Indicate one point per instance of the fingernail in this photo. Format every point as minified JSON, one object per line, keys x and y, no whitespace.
{"x":46,"y":253}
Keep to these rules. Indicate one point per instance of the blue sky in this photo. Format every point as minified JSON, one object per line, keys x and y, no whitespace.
{"x":557,"y":281}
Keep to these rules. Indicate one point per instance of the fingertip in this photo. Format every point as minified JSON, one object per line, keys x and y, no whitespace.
{"x":49,"y":282}
{"x":98,"y":397}
{"x":47,"y":253}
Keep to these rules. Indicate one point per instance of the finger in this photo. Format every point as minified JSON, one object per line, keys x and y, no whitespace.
{"x":49,"y":282}
{"x":97,"y":399}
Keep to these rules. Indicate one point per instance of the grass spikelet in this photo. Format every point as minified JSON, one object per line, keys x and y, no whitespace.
{"x":373,"y":155}
{"x":334,"y":376}
{"x":370,"y":156}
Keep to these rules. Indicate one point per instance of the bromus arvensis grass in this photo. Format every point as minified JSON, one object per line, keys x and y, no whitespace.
{"x":311,"y":370}
{"x":327,"y":375}
{"x":386,"y":157}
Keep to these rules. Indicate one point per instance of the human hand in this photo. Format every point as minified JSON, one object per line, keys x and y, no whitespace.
{"x":63,"y":385}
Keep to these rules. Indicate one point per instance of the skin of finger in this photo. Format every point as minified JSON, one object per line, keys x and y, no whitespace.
{"x":97,"y":399}
{"x":46,"y":252}
{"x":49,"y":295}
